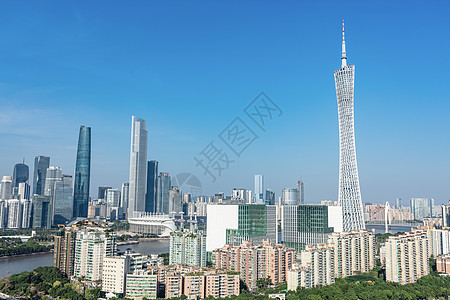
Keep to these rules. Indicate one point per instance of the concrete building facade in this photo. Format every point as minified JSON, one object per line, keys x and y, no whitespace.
{"x":407,"y":257}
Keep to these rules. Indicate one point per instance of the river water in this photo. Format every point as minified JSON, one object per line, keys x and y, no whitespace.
{"x":148,"y":247}
{"x":392,"y":229}
{"x":14,"y":265}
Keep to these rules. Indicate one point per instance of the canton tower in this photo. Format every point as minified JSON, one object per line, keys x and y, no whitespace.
{"x":349,"y":197}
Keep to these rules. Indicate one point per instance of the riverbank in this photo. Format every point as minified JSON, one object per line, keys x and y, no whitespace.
{"x":153,"y":238}
{"x":26,"y":254}
{"x":127,"y":243}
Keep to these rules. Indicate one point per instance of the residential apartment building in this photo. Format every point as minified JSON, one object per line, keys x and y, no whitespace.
{"x":298,"y":276}
{"x":91,"y":246}
{"x":195,"y":282}
{"x":443,"y":264}
{"x":407,"y":257}
{"x":354,"y":252}
{"x":114,"y":274}
{"x":320,"y":262}
{"x":64,"y":250}
{"x":439,"y":241}
{"x":187,"y":247}
{"x":254,"y":262}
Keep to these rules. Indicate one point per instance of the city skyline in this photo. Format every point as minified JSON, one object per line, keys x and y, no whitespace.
{"x":402,"y":145}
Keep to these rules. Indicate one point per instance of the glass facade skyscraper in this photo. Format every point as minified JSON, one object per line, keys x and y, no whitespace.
{"x":152,"y":186}
{"x":20,"y":174}
{"x":259,"y":189}
{"x":41,"y":164}
{"x":138,"y":166}
{"x":349,"y":196}
{"x":124,"y":197}
{"x":54,"y":174}
{"x":164,"y":185}
{"x":82,"y":173}
{"x":62,"y":200}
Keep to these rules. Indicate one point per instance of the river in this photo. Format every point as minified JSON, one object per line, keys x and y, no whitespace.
{"x":392,"y":229}
{"x":148,"y":247}
{"x":14,"y":265}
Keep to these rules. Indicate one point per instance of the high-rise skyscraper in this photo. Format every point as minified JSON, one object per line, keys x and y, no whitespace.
{"x":6,"y":188}
{"x":82,"y":173}
{"x":162,"y":199}
{"x":398,"y":203}
{"x":259,"y":189}
{"x":175,"y":200}
{"x":300,"y":192}
{"x":138,"y":166}
{"x":270,"y":197}
{"x":53,"y":175}
{"x":42,"y":212}
{"x":124,"y":197}
{"x":20,"y":174}
{"x":63,"y":200}
{"x":24,"y":191}
{"x":102,"y":192}
{"x":290,"y":196}
{"x":41,"y":164}
{"x":422,"y":208}
{"x":152,"y":186}
{"x":349,"y":192}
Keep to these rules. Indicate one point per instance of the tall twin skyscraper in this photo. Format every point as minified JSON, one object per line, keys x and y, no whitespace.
{"x":349,"y":196}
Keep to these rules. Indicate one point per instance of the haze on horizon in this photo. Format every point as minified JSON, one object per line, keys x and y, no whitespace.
{"x":189,"y":69}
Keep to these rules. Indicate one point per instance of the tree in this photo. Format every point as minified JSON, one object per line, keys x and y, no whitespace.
{"x":263,"y":282}
{"x":242,"y":286}
{"x":92,"y":294}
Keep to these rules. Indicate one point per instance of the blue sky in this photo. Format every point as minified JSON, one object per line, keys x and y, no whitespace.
{"x":190,"y":67}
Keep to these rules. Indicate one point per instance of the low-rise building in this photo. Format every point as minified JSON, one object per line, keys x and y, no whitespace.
{"x":443,"y":264}
{"x":141,"y":284}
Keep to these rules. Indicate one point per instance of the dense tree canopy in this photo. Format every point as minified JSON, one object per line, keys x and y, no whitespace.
{"x":14,"y":246}
{"x":41,"y":282}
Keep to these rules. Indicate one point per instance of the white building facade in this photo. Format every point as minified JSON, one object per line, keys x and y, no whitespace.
{"x":138,"y":166}
{"x":407,"y":257}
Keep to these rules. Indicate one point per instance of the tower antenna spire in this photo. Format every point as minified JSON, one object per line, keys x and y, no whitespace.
{"x":344,"y":55}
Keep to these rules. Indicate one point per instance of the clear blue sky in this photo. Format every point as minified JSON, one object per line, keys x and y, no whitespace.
{"x":190,"y":67}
